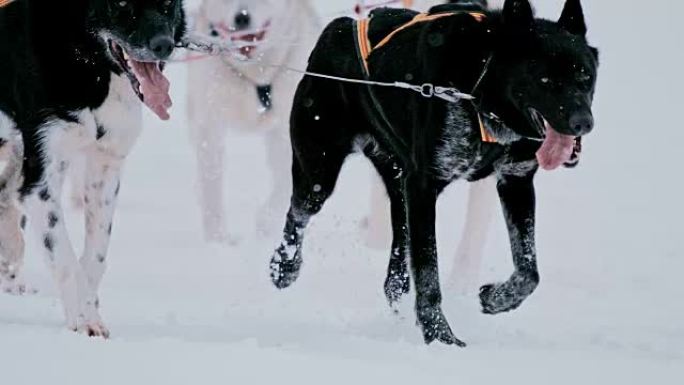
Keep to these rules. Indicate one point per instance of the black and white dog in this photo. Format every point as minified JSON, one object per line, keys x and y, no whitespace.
{"x":534,"y":83}
{"x":73,"y":75}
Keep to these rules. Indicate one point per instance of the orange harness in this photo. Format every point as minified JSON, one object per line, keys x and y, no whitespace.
{"x":366,"y":48}
{"x":3,"y":3}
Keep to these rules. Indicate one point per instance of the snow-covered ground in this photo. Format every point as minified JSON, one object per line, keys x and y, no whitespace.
{"x":609,"y":310}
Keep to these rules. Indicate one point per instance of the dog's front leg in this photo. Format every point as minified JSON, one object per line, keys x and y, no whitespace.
{"x":518,"y":200}
{"x":210,"y":150}
{"x":103,"y":173}
{"x":43,"y":203}
{"x":421,"y":201}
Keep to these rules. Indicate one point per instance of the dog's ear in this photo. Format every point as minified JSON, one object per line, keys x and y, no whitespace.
{"x":518,"y":13}
{"x":572,"y":18}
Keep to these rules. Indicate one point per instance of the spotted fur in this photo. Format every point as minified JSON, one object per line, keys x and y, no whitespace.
{"x":63,"y":95}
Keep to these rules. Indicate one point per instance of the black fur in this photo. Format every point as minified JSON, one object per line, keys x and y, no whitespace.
{"x":421,"y":145}
{"x":54,"y":61}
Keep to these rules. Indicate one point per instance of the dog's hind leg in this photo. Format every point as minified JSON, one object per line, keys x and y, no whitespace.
{"x":482,"y":203}
{"x":320,"y":144}
{"x":314,"y":179}
{"x":377,"y":235}
{"x":421,"y":194}
{"x":518,"y":200}
{"x":12,"y":221}
{"x":103,"y":172}
{"x":398,"y":282}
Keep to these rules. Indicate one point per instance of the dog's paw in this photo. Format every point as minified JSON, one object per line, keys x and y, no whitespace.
{"x":285,"y":266}
{"x":397,"y":284}
{"x":507,"y":296}
{"x":93,"y":330}
{"x":436,"y":328}
{"x":88,"y":323}
{"x":14,"y":285}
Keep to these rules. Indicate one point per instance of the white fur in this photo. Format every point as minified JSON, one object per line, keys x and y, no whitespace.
{"x":78,"y":281}
{"x":12,"y":245}
{"x":222,"y":97}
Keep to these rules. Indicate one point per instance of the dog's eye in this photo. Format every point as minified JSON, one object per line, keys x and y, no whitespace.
{"x":545,"y":80}
{"x":123,"y":4}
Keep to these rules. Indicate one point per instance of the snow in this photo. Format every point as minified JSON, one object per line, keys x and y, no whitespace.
{"x":609,"y":309}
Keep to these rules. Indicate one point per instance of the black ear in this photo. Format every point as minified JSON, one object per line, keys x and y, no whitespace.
{"x":518,"y":13}
{"x":572,"y":18}
{"x":595,"y":53}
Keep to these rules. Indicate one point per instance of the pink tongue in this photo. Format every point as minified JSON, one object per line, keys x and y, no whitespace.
{"x":154,"y":86}
{"x":556,"y":150}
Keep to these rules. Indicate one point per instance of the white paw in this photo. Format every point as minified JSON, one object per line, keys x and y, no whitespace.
{"x":16,"y":286}
{"x":93,"y":329}
{"x":91,"y":325}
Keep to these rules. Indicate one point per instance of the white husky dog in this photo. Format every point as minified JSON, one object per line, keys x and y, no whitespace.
{"x":226,"y":93}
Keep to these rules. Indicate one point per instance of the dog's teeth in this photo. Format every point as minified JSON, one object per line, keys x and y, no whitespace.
{"x":125,"y":55}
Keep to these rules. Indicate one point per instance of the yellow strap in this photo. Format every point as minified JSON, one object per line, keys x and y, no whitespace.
{"x":5,"y":2}
{"x":364,"y":41}
{"x":365,"y":47}
{"x":422,"y":18}
{"x":484,"y":134}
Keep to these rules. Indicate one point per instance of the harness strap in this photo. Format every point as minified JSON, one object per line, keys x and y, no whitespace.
{"x":365,"y":49}
{"x":422,"y":18}
{"x":4,"y":3}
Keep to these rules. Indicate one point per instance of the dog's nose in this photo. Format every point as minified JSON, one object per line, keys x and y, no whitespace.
{"x":242,"y":20}
{"x":162,"y":46}
{"x":581,"y":123}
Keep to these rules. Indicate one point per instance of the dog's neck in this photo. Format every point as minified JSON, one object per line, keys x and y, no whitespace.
{"x":491,"y":99}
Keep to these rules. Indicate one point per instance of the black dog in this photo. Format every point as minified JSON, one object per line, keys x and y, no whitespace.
{"x":72,"y":76}
{"x":533,"y":81}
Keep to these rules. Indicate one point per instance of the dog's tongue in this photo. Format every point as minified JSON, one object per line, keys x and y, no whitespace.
{"x":154,"y":87}
{"x":556,"y":150}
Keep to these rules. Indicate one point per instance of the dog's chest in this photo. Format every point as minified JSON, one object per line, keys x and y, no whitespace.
{"x":113,"y":127}
{"x":459,"y":153}
{"x":118,"y":121}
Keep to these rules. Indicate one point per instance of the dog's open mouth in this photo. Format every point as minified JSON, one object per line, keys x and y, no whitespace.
{"x":147,"y":79}
{"x":250,"y":40}
{"x":557,"y":149}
